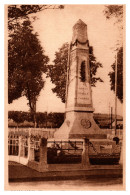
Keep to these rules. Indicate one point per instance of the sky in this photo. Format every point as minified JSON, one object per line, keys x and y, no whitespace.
{"x":55,"y":28}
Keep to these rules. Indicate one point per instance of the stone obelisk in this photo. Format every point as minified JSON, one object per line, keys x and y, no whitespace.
{"x":79,"y":122}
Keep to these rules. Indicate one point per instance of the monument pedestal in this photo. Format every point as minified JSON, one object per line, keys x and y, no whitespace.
{"x":79,"y":125}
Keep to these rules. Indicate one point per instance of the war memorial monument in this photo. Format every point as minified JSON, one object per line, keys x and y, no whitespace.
{"x":79,"y":148}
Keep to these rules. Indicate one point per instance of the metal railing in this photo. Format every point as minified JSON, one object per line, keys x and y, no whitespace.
{"x":64,"y":152}
{"x":13,"y":145}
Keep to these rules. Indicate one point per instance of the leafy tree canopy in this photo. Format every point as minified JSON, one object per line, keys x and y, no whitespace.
{"x":119,"y":75}
{"x":58,"y":71}
{"x":18,"y":12}
{"x":116,"y":12}
{"x":42,"y":119}
{"x":16,"y":116}
{"x":26,"y":63}
{"x":26,"y":59}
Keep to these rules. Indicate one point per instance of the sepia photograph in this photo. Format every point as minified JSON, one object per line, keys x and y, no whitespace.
{"x":65,"y":97}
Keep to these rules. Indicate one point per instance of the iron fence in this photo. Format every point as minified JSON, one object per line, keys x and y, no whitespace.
{"x":64,"y":152}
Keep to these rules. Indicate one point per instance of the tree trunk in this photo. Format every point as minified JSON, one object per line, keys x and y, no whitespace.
{"x":34,"y":118}
{"x":32,"y":105}
{"x":34,"y":113}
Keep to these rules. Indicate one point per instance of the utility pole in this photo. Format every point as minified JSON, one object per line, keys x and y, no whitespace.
{"x":116,"y":94}
{"x":111,"y":118}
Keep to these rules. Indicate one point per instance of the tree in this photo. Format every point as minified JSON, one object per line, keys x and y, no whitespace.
{"x":116,"y":12}
{"x":56,"y":119}
{"x":40,"y":118}
{"x":26,"y":57}
{"x":16,"y":116}
{"x":58,"y":71}
{"x":26,"y":63}
{"x":18,"y":12}
{"x":119,"y":75}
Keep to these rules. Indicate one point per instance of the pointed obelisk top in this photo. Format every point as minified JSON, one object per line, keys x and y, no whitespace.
{"x":80,"y":22}
{"x":80,"y":32}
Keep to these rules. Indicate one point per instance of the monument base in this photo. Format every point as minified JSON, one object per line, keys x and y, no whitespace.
{"x":79,"y":125}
